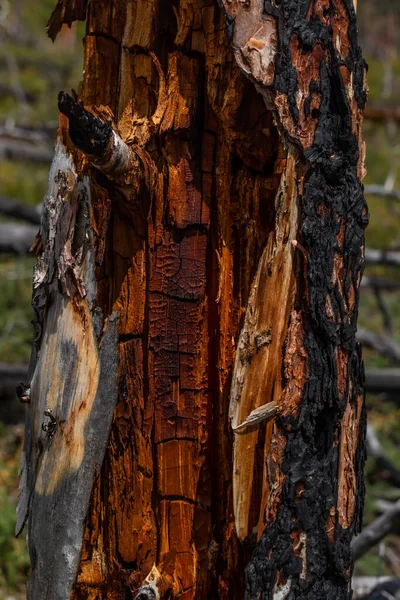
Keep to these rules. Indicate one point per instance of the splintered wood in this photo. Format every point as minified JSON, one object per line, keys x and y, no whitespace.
{"x":257,"y":373}
{"x":194,"y":224}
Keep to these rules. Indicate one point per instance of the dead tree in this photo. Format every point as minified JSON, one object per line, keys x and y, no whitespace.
{"x":196,"y":419}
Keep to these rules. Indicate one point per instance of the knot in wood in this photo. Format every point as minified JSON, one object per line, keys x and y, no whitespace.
{"x":23,"y":392}
{"x":262,"y":339}
{"x":50,"y":427}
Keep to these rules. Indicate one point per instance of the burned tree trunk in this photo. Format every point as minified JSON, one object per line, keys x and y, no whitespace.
{"x":196,"y":420}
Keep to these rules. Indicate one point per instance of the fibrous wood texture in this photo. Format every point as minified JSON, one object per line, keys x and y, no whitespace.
{"x":220,"y":153}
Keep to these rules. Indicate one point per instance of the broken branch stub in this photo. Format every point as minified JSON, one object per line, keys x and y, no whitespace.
{"x":130,"y":168}
{"x":103,"y":146}
{"x":87,"y":131}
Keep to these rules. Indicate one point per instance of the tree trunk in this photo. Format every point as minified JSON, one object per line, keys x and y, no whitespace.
{"x":196,"y":421}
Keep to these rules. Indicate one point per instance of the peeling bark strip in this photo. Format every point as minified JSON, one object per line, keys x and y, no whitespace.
{"x":72,"y":385}
{"x":66,"y":11}
{"x":317,"y":450}
{"x":231,"y":247}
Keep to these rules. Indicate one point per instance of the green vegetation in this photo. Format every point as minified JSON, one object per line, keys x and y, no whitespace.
{"x":14,"y":563}
{"x":30,"y":61}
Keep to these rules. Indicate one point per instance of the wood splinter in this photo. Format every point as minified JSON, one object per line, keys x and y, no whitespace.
{"x":304,"y":252}
{"x":149,"y":590}
{"x":262,"y":413}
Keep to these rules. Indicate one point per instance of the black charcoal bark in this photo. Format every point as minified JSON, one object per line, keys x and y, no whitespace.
{"x":86,"y":131}
{"x":311,"y":457}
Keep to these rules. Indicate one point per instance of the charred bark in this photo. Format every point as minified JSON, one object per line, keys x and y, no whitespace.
{"x":316,"y":455}
{"x":220,"y":152}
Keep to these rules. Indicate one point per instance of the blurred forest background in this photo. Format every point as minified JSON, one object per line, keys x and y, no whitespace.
{"x":32,"y":72}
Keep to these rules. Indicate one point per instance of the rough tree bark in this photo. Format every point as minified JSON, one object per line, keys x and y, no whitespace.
{"x":196,"y":295}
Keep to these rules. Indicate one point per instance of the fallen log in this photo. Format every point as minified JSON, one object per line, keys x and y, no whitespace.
{"x":382,"y":113}
{"x":381,"y":284}
{"x":388,"y":470}
{"x":17,"y":150}
{"x":380,"y":190}
{"x":376,"y":531}
{"x":382,"y":380}
{"x":11,"y":410}
{"x":383,"y":344}
{"x":16,"y":238}
{"x":365,"y":586}
{"x":17,"y":210}
{"x":382,"y":257}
